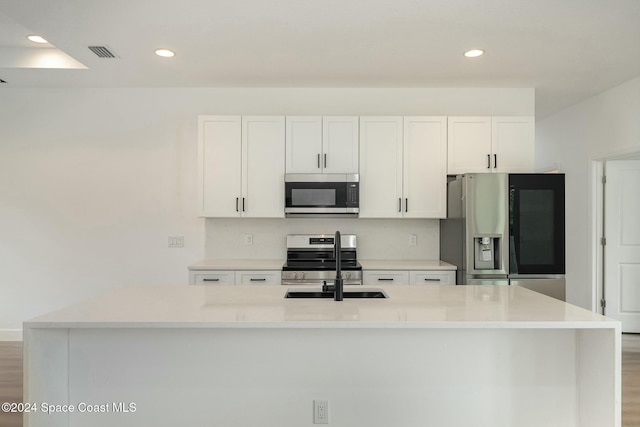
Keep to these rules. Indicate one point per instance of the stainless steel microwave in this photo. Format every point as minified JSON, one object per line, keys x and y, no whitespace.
{"x":321,"y":195}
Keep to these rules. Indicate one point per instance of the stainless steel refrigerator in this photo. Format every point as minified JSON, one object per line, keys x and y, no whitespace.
{"x":506,"y":229}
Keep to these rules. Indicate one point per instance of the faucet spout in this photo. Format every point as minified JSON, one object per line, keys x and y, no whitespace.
{"x":338,"y":282}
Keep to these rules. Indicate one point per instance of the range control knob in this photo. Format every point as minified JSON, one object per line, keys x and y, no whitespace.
{"x":347,"y":275}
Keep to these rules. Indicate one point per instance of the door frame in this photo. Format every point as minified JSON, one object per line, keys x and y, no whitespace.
{"x":597,"y":229}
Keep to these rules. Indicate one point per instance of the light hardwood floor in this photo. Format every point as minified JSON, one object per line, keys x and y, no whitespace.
{"x":11,"y":380}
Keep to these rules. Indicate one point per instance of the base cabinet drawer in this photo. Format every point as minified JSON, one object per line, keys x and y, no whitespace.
{"x":266,"y":277}
{"x":432,"y":278}
{"x":212,"y":278}
{"x":385,"y":277}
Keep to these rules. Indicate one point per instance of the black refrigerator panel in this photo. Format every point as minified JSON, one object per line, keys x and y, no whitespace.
{"x":536,"y":224}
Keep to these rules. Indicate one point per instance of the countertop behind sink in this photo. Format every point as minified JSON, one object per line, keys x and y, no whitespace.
{"x":276,"y":264}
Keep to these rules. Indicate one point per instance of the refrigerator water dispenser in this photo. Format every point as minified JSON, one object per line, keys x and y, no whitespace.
{"x":487,"y":253}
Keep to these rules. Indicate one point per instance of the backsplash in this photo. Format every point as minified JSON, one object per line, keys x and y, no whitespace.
{"x":377,"y":238}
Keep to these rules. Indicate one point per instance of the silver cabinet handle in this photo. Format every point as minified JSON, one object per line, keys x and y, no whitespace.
{"x":385,"y":279}
{"x":325,"y":160}
{"x":318,"y":160}
{"x":399,"y":204}
{"x":236,"y":204}
{"x":427,"y":279}
{"x":488,"y":161}
{"x":258,"y":280}
{"x":243,"y":204}
{"x":211,"y":280}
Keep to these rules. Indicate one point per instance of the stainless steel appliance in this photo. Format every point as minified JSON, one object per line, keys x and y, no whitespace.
{"x":311,"y":260}
{"x":322,"y":195}
{"x":507,"y":229}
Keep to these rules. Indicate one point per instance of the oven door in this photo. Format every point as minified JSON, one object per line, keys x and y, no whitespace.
{"x":321,"y":195}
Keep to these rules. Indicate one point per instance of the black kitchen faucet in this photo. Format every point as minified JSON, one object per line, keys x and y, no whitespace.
{"x":338,"y":284}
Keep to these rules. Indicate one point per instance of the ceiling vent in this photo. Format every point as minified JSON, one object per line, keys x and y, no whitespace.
{"x":102,"y":51}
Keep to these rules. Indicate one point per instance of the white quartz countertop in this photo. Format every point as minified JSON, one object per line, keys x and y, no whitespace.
{"x":238,"y":264}
{"x":260,"y":306}
{"x":276,"y":264}
{"x":400,"y":264}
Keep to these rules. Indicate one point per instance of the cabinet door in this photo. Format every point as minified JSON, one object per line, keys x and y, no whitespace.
{"x":304,"y":144}
{"x":380,"y":167}
{"x":425,"y":172}
{"x":512,"y":144}
{"x":430,"y":277}
{"x":219,"y":165}
{"x":385,"y":277}
{"x":267,"y":277}
{"x":469,"y":145}
{"x":340,"y":144}
{"x":209,"y":277}
{"x":263,"y":140}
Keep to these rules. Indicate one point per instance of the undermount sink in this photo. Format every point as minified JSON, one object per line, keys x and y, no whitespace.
{"x":372,"y":293}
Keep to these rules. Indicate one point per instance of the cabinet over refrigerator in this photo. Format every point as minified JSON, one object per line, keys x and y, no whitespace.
{"x":506,"y":229}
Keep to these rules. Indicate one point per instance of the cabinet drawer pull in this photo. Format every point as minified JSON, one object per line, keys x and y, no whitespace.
{"x":495,"y":161}
{"x":325,"y":161}
{"x":399,"y":204}
{"x":258,"y":280}
{"x":385,"y":279}
{"x":211,"y":280}
{"x":318,"y":160}
{"x":243,"y":204}
{"x":427,"y":279}
{"x":236,"y":204}
{"x":488,"y":161}
{"x":406,"y":205}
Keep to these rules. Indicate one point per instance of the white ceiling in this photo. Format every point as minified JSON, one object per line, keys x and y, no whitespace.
{"x":567,"y":50}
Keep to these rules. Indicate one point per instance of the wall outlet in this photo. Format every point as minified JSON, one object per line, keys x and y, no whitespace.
{"x":321,"y":412}
{"x":176,"y":241}
{"x":248,"y":239}
{"x":413,"y":239}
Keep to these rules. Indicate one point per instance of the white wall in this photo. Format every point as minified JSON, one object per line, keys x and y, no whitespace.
{"x":603,"y":126}
{"x":93,"y":181}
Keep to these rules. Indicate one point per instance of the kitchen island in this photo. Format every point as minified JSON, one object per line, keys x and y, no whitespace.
{"x":245,"y":356}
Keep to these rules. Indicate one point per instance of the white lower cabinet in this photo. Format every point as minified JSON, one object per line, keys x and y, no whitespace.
{"x":432,"y":277}
{"x":267,"y":277}
{"x":385,"y":277}
{"x":411,"y":277}
{"x":231,"y":277}
{"x":218,"y":277}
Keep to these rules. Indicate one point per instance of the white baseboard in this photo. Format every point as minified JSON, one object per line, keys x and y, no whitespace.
{"x":10,"y":334}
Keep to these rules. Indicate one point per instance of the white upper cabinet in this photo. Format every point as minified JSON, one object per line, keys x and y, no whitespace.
{"x":425,"y":172}
{"x":490,"y":144}
{"x":263,"y":166}
{"x":241,"y":166}
{"x":304,"y":144}
{"x":219,"y":165}
{"x":381,"y":167}
{"x":316,"y":144}
{"x":513,"y":144}
{"x":340,"y":144}
{"x":403,"y":167}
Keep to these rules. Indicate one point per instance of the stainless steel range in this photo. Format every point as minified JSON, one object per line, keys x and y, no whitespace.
{"x":311,"y":260}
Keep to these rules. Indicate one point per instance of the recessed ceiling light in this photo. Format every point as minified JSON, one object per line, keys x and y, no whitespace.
{"x":37,"y":39}
{"x":166,"y":53}
{"x":473,"y":53}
